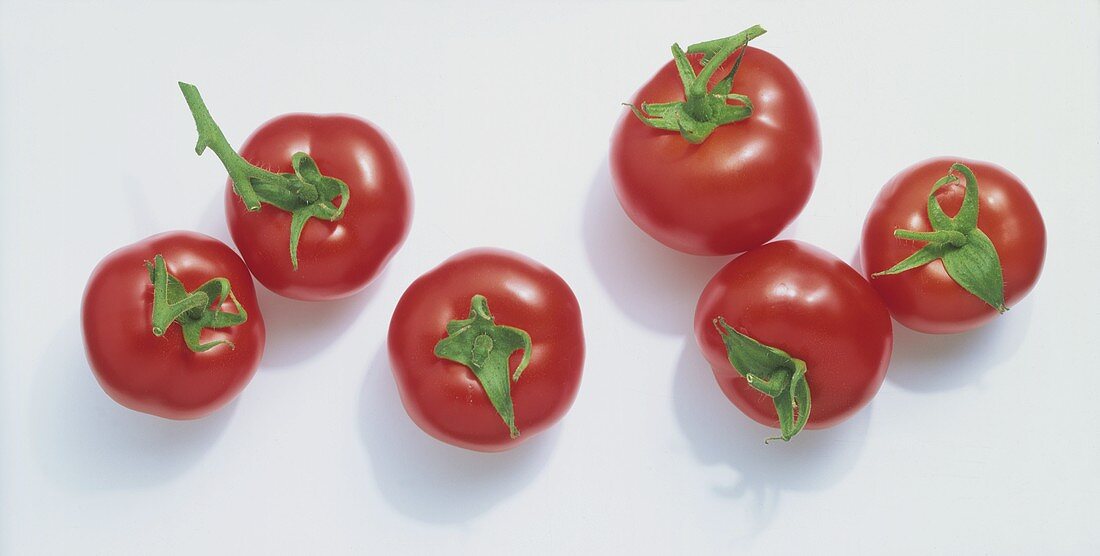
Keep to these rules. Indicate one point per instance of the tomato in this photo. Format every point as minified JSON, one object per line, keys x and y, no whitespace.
{"x":316,"y":204}
{"x":812,"y":307}
{"x":464,"y":331}
{"x":169,"y":374}
{"x":927,"y":298}
{"x":742,"y":184}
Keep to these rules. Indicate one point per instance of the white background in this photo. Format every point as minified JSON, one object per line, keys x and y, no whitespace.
{"x":980,"y":442}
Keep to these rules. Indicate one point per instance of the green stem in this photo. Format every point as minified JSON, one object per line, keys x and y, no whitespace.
{"x":720,"y":50}
{"x":305,"y":194}
{"x":968,"y":255}
{"x":772,"y":372}
{"x":211,"y":136}
{"x":951,"y":237}
{"x":486,"y":347}
{"x":193,"y":311}
{"x":703,"y":109}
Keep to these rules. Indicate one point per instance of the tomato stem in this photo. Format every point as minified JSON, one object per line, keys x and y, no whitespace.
{"x":305,"y":193}
{"x":772,"y":372}
{"x":193,"y":311}
{"x":968,"y":255}
{"x":486,"y":347}
{"x":703,"y":110}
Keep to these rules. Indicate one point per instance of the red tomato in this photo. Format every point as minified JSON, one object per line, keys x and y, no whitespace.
{"x":335,"y":259}
{"x":445,"y":398}
{"x":162,"y":375}
{"x":802,"y":300}
{"x":738,"y":188}
{"x":927,"y":298}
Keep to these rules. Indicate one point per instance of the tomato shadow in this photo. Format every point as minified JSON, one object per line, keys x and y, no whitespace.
{"x":298,"y":329}
{"x":938,"y":362}
{"x":83,"y":440}
{"x":653,"y":285}
{"x":427,"y":479}
{"x":720,"y":435}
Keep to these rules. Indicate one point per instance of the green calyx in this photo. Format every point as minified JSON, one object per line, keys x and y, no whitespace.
{"x":967,"y":253}
{"x":305,"y":194}
{"x":703,"y":110}
{"x":774,"y":373}
{"x":485,"y":347}
{"x":193,"y":311}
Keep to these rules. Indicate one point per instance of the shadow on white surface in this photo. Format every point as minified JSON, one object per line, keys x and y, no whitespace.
{"x":719,"y":434}
{"x":297,"y":330}
{"x":936,"y":362}
{"x":651,"y":284}
{"x":427,"y":479}
{"x":85,"y":441}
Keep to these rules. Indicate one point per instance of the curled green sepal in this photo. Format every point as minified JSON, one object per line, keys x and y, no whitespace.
{"x":703,"y":110}
{"x":305,"y":193}
{"x":967,"y":253}
{"x":774,"y":373}
{"x":485,"y":347}
{"x":193,"y":311}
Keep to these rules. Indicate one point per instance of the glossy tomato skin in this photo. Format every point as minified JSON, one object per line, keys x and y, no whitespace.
{"x":927,"y":299}
{"x":800,"y":299}
{"x":162,"y":376}
{"x":445,"y":398}
{"x":335,"y":259}
{"x":737,"y":189}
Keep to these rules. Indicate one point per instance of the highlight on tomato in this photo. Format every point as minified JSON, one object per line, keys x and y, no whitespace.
{"x":719,"y":150}
{"x":316,"y":204}
{"x":487,"y":349}
{"x":795,"y":337}
{"x":171,"y":325}
{"x":951,"y":243}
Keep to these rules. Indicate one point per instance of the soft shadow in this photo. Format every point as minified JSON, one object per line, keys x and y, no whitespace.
{"x":298,"y":329}
{"x":427,"y":479}
{"x":719,"y":434}
{"x":86,"y":441}
{"x":856,"y":261}
{"x":937,"y":362}
{"x":654,"y":285}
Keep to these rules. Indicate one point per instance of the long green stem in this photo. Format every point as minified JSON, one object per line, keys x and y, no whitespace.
{"x":305,"y":194}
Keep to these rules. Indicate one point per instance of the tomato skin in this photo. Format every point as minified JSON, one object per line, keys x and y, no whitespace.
{"x":162,"y":376}
{"x":335,"y":259}
{"x":737,"y":189}
{"x":927,"y":299}
{"x":445,"y":398}
{"x":800,"y":299}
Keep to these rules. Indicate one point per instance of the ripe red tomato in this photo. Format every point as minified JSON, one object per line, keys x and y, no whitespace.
{"x":504,"y":315}
{"x":927,"y":298}
{"x":162,"y":374}
{"x":335,"y":259}
{"x":813,"y":307}
{"x":740,"y":186}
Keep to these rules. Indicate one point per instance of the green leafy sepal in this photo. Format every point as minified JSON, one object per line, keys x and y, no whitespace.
{"x":703,"y":109}
{"x":193,"y":311}
{"x":968,"y":255}
{"x":485,"y":347}
{"x":774,"y":373}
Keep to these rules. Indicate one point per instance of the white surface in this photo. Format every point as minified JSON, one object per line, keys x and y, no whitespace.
{"x":984,"y":442}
